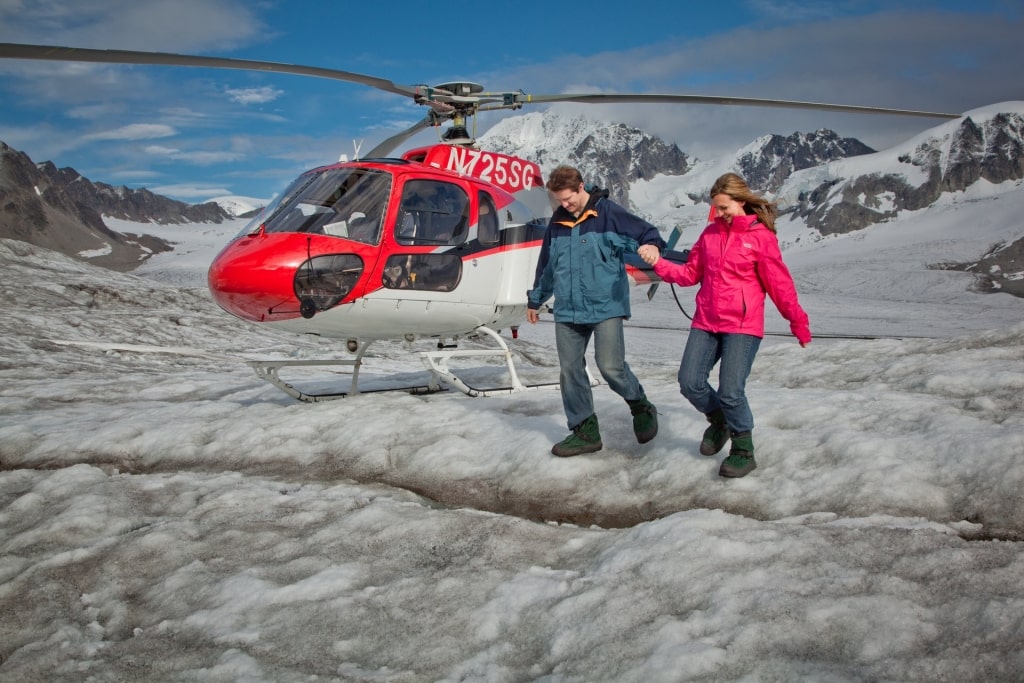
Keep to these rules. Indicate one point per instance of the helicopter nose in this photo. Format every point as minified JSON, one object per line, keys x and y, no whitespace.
{"x":246,"y":283}
{"x":274,"y":277}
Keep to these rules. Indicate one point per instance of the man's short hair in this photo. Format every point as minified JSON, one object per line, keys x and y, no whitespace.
{"x":564,"y":178}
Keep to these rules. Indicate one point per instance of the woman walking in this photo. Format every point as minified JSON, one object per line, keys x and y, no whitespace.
{"x":736,"y":261}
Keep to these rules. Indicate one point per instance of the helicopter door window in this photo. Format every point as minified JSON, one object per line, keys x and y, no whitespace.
{"x":432,"y":212}
{"x":432,"y":272}
{"x":487,"y":221}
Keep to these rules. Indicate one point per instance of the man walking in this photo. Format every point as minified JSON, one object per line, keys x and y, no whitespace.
{"x":582,"y":265}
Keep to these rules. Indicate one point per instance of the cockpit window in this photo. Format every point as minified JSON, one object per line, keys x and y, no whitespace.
{"x":432,"y":212}
{"x":282,"y":198}
{"x":344,"y":202}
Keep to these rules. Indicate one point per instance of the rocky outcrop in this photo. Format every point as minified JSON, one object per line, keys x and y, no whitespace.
{"x":62,"y":210}
{"x":774,"y":157}
{"x":991,"y":151}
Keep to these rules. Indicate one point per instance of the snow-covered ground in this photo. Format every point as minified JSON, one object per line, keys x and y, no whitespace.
{"x":166,"y":515}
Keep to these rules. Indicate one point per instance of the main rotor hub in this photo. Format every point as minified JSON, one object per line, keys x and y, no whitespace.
{"x":461,"y":88}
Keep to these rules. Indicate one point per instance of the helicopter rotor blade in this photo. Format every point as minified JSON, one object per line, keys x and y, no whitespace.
{"x":452,"y":101}
{"x":615,"y":98}
{"x":385,"y":147}
{"x":78,"y":54}
{"x":421,"y":93}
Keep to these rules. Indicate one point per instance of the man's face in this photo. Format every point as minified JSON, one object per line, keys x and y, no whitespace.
{"x":572,"y":201}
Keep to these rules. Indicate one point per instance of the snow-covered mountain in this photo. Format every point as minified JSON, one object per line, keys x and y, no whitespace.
{"x":617,"y":157}
{"x":240,"y":207}
{"x":610,"y":155}
{"x":985,"y":146}
{"x":60,"y":209}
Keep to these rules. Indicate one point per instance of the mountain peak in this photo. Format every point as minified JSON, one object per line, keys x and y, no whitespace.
{"x":60,"y":209}
{"x":609,"y":155}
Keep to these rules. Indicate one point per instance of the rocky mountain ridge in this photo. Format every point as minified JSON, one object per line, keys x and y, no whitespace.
{"x":609,"y":155}
{"x":60,"y":209}
{"x":614,"y":156}
{"x":951,"y":158}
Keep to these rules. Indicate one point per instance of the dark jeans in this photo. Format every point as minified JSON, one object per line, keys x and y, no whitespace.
{"x":736,"y":353}
{"x":610,"y":353}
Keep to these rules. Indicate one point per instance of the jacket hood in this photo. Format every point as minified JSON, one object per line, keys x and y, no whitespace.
{"x":596,"y":194}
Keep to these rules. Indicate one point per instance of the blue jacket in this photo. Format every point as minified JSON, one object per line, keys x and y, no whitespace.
{"x":581,"y":261}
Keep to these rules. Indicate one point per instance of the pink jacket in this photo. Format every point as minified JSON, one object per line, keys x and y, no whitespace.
{"x":736,"y":266}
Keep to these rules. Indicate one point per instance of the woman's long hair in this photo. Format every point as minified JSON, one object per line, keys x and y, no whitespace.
{"x":734,"y":186}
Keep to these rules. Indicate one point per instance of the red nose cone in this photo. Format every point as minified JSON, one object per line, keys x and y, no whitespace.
{"x":253,"y":277}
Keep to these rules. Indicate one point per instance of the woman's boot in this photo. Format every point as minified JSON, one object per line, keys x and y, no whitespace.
{"x":741,"y":456}
{"x":716,"y":435}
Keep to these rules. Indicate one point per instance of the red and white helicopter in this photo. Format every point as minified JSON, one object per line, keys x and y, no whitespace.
{"x":439,"y":243}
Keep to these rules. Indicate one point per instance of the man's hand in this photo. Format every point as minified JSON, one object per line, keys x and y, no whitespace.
{"x":532,"y":315}
{"x":649,"y":253}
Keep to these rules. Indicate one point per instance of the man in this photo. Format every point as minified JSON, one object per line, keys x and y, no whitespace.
{"x":581,"y":264}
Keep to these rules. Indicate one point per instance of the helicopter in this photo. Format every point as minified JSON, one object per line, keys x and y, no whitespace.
{"x":440,"y":243}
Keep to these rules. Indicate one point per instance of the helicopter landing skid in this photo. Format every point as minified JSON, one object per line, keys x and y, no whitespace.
{"x":436,"y":362}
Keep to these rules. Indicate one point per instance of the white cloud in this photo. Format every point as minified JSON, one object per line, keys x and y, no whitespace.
{"x":190,"y":191}
{"x":162,"y":25}
{"x":134,"y":131}
{"x":201,"y":158}
{"x":254,"y":95}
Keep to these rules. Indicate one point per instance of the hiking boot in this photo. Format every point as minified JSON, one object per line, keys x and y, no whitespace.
{"x":741,"y":456}
{"x":645,"y":419}
{"x":716,"y":435}
{"x":585,"y":438}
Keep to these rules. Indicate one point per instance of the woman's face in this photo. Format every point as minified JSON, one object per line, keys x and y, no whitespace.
{"x":727,"y":207}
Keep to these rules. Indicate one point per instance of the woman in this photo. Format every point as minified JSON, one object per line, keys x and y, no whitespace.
{"x":737,"y":261}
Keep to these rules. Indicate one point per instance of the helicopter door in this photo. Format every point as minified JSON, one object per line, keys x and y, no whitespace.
{"x":436,"y":214}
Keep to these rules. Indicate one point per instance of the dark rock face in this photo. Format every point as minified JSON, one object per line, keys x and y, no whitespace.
{"x":615,"y":156}
{"x":62,"y":210}
{"x":992,"y":151}
{"x":779,"y":157}
{"x":999,"y":270}
{"x":132,"y":205}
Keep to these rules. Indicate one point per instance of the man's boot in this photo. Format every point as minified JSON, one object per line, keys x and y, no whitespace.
{"x":741,"y":456}
{"x":715,"y":435}
{"x":645,"y":419}
{"x":585,"y":438}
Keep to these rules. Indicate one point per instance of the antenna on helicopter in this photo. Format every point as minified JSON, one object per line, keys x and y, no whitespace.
{"x":356,"y":147}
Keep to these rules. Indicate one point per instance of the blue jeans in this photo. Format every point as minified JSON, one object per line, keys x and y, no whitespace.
{"x":571,"y":340}
{"x":736,"y":353}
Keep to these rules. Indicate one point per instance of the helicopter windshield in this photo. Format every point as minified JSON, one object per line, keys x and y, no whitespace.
{"x":343,"y":202}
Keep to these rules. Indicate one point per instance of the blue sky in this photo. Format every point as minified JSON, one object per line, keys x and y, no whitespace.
{"x":194,"y":134}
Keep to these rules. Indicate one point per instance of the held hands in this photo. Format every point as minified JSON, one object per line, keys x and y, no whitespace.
{"x":649,"y":253}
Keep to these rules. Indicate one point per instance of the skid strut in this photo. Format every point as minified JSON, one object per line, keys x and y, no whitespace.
{"x":436,"y":362}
